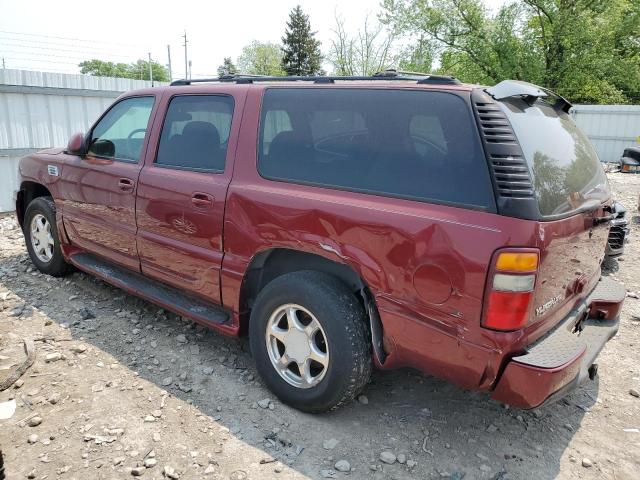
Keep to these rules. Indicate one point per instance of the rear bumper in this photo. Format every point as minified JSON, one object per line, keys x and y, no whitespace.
{"x":560,"y":361}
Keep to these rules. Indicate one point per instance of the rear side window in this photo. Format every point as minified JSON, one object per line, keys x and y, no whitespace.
{"x":564,"y":166}
{"x":195,"y":133}
{"x":404,"y":143}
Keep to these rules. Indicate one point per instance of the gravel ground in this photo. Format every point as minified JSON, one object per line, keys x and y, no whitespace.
{"x":121,"y":388}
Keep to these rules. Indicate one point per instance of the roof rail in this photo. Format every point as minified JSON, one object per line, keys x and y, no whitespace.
{"x":420,"y":78}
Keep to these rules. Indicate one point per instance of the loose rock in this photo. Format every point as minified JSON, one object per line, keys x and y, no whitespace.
{"x":52,"y":357}
{"x":388,"y":457}
{"x":167,"y":381}
{"x":137,"y":471}
{"x":586,"y":463}
{"x":34,"y":421}
{"x":342,"y":466}
{"x":330,"y":444}
{"x":170,"y":472}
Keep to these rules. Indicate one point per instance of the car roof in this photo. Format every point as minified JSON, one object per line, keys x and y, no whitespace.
{"x":213,"y":86}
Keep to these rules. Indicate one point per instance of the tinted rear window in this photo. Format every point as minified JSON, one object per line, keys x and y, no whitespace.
{"x":405,"y":143}
{"x":564,"y":166}
{"x":195,"y":133}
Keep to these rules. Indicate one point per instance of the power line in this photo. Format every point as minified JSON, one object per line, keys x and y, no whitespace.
{"x":41,"y":61}
{"x":80,"y":56}
{"x":71,"y":50}
{"x":69,"y":38}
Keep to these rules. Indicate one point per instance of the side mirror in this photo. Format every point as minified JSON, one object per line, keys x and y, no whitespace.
{"x":103,"y":148}
{"x":76,"y":144}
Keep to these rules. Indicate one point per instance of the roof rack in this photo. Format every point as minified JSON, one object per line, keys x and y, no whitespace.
{"x":420,"y":78}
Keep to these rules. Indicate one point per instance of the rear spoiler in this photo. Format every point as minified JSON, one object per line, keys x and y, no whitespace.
{"x":527,"y":91}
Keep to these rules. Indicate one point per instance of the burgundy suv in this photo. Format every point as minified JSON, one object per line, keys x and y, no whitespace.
{"x":394,"y":220}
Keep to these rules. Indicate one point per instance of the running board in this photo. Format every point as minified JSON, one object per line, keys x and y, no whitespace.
{"x":167,"y":297}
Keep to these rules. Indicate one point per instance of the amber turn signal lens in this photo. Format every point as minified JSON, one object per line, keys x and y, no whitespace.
{"x":517,"y":262}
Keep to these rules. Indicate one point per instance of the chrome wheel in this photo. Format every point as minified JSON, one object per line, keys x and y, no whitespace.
{"x":41,"y":238}
{"x":297,"y":346}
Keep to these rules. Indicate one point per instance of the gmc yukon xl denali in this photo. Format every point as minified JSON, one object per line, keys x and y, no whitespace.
{"x":344,"y":223}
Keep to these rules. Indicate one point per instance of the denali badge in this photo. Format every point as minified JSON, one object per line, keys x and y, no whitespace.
{"x":547,"y":305}
{"x":52,"y":170}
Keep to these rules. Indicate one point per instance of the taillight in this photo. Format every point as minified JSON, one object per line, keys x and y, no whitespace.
{"x":510,"y":290}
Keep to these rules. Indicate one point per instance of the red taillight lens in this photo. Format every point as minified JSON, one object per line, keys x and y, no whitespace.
{"x":507,"y":310}
{"x":510,"y":289}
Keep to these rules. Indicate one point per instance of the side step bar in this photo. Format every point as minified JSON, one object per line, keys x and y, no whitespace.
{"x":167,"y":297}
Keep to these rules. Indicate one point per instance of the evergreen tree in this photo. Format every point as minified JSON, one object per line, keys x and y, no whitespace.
{"x":227,"y":68}
{"x":301,"y":51}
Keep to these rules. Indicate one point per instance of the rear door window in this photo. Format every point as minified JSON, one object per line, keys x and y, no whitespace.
{"x":195,"y":133}
{"x":404,"y":143}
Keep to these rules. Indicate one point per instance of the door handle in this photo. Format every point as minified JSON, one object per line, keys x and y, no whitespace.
{"x":125,"y":184}
{"x":201,"y":200}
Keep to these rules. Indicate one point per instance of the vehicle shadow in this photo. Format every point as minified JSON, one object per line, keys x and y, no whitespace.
{"x":446,"y":430}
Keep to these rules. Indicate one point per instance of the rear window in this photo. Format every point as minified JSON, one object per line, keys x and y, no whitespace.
{"x":565,"y":169}
{"x":403,"y":143}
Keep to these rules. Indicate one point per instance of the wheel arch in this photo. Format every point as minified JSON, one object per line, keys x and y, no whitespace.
{"x":29,"y":191}
{"x":272,"y":263}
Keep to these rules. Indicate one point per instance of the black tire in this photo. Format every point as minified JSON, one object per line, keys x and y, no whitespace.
{"x":344,"y":322}
{"x":46,"y":207}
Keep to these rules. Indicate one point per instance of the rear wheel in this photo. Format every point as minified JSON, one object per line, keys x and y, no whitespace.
{"x":41,"y":237}
{"x":309,"y":337}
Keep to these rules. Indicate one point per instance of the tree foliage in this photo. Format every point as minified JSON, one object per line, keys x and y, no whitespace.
{"x":227,"y":67}
{"x":137,"y":70}
{"x":366,"y":53}
{"x":586,"y":50}
{"x":259,"y":58}
{"x":300,"y":49}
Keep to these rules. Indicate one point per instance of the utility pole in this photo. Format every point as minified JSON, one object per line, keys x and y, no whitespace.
{"x":189,"y":69}
{"x":150,"y":70}
{"x":3,"y":63}
{"x":169,"y":65}
{"x":186,"y":66}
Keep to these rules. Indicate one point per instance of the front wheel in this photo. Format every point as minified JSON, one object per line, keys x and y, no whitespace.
{"x":41,"y":237}
{"x":310,"y":341}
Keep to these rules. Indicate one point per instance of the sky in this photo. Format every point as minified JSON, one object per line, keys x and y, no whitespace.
{"x":56,"y":35}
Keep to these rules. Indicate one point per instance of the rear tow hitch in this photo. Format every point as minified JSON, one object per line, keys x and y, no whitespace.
{"x":593,"y":371}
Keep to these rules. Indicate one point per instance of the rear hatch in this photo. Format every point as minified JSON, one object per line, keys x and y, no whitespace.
{"x":573,"y":201}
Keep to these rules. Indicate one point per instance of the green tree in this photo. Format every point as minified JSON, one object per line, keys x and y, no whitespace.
{"x":259,"y":58}
{"x":137,"y":70}
{"x":101,"y":68}
{"x":418,"y":57}
{"x":227,"y":67}
{"x":301,"y":51}
{"x":586,"y":50}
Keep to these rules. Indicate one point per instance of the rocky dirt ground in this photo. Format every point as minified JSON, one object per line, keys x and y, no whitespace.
{"x":121,"y":388}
